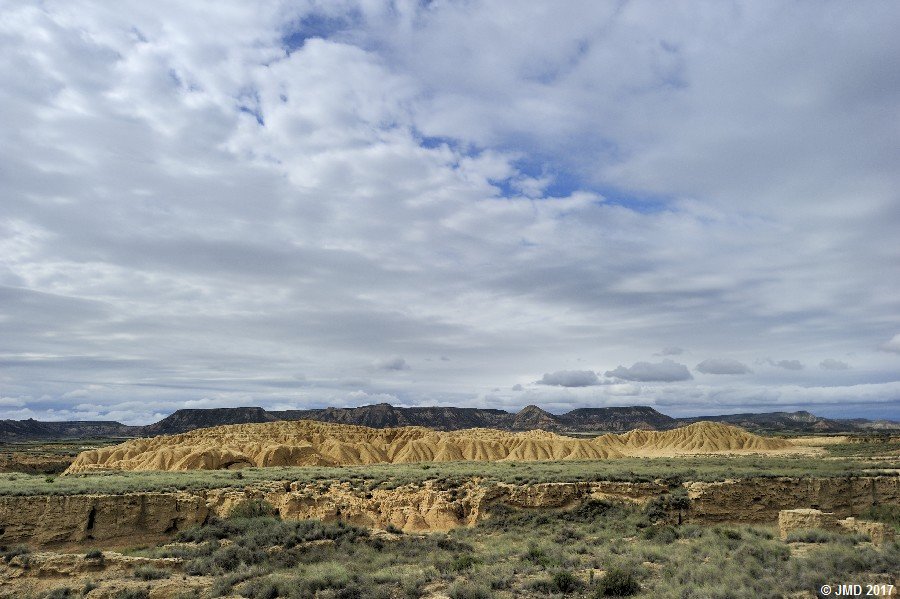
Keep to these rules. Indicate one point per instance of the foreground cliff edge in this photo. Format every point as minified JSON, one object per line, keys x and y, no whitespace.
{"x":309,"y":443}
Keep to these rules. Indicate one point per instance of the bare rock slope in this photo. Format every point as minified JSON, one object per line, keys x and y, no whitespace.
{"x":307,"y":443}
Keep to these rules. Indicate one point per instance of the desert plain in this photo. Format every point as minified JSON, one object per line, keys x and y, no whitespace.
{"x":314,"y":510}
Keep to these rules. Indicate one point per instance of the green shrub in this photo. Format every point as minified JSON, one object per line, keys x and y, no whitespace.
{"x":321,"y":576}
{"x":565,"y":582}
{"x":887,"y":513}
{"x":618,"y":583}
{"x":9,"y":554}
{"x":537,"y":555}
{"x":818,"y":535}
{"x":94,"y":554}
{"x":661,"y":534}
{"x":60,"y":593}
{"x":567,"y":535}
{"x":810,"y":535}
{"x":500,"y":576}
{"x":150,"y":573}
{"x":541,"y":586}
{"x":132,"y":594}
{"x":260,"y":589}
{"x":253,"y":508}
{"x":468,"y":590}
{"x":467,"y":561}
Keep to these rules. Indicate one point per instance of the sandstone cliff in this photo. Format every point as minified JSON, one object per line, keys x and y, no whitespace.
{"x":760,"y":499}
{"x":144,"y":517}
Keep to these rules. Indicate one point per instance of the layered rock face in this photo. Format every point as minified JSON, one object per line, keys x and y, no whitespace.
{"x":308,"y":443}
{"x":806,"y":519}
{"x":760,"y":499}
{"x":143,"y":517}
{"x":83,"y":518}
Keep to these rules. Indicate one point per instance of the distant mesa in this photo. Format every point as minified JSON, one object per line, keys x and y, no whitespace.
{"x":308,"y":443}
{"x":581,"y":420}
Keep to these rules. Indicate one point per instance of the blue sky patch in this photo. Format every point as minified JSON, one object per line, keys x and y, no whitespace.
{"x":314,"y":25}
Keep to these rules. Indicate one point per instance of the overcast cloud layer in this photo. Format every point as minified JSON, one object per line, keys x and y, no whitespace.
{"x":341,"y":203}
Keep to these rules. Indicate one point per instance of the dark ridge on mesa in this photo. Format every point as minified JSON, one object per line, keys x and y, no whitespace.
{"x":581,"y":420}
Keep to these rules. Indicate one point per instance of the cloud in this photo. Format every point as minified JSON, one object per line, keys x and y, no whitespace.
{"x":570,"y":378}
{"x":394,"y":363}
{"x":670,"y":351}
{"x":722,"y":366}
{"x":665,"y":371}
{"x":891,"y":345}
{"x":832,"y":364}
{"x":181,"y":220}
{"x":517,"y":387}
{"x":787,"y":364}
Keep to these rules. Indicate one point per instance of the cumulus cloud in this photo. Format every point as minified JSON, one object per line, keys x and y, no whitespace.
{"x":891,"y":345}
{"x":195,"y":206}
{"x":393,"y":363}
{"x":832,"y":364}
{"x":665,"y":371}
{"x":517,"y":387}
{"x":570,"y":378}
{"x":722,"y":366}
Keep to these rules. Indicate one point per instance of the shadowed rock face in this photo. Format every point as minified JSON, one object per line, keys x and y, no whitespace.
{"x":760,"y":499}
{"x":186,"y":420}
{"x":306,"y":443}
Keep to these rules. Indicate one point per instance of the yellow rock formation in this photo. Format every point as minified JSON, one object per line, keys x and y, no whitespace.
{"x":308,"y":443}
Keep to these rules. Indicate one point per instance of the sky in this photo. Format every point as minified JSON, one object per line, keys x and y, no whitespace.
{"x":688,"y":205}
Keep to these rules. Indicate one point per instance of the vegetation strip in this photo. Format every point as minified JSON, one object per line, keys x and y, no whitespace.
{"x":700,"y":468}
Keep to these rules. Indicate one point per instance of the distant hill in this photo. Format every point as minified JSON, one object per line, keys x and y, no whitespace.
{"x":529,"y":418}
{"x":385,"y":415}
{"x":798,"y":422}
{"x":182,"y":421}
{"x":34,"y":430}
{"x":618,"y":419}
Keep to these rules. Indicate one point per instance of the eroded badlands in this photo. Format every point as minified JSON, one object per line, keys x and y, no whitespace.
{"x":308,"y":443}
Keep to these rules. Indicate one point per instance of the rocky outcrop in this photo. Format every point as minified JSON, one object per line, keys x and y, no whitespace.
{"x":42,"y":574}
{"x":430,"y":506}
{"x":83,"y":519}
{"x":308,"y":443}
{"x":807,"y":519}
{"x":60,"y":519}
{"x":804,"y":519}
{"x":878,"y":532}
{"x":760,"y":499}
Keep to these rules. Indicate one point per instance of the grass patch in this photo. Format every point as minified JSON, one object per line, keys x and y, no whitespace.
{"x":449,"y":475}
{"x":888,"y":513}
{"x":872,"y":448}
